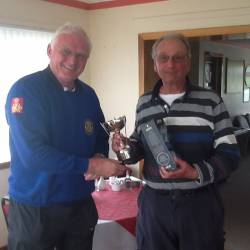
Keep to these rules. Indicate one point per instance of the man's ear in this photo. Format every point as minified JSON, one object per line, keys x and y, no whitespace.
{"x":188,"y":66}
{"x":155,"y":67}
{"x":49,"y":50}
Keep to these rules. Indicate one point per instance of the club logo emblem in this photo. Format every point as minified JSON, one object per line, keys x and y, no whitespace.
{"x":88,"y":127}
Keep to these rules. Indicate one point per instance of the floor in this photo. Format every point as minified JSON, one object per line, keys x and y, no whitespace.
{"x":236,"y":196}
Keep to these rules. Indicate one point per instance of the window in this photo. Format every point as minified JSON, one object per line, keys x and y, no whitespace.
{"x":22,"y":52}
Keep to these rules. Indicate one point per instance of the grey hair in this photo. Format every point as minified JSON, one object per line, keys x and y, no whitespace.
{"x":69,"y":28}
{"x":172,"y":36}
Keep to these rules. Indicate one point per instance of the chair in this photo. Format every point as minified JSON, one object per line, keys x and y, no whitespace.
{"x":248,"y":118}
{"x":5,"y":208}
{"x":242,"y":132}
{"x":241,"y":122}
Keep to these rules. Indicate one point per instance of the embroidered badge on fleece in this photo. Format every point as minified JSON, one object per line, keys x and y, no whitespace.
{"x":17,"y":105}
{"x":88,"y":127}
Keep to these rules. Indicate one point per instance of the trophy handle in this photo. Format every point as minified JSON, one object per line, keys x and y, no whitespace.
{"x":105,"y":129}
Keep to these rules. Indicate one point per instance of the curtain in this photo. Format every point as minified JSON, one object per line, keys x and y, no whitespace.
{"x":23,"y":52}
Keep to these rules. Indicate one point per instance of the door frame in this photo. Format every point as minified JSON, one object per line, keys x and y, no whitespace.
{"x":201,"y":32}
{"x":143,"y":38}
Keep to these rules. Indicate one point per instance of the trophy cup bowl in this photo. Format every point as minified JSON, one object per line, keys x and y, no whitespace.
{"x":115,"y":126}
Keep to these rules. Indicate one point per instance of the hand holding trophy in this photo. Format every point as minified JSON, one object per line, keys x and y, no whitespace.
{"x":116,"y":125}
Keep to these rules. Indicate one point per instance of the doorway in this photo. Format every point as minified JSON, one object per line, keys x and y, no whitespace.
{"x":237,"y":221}
{"x":147,"y":76}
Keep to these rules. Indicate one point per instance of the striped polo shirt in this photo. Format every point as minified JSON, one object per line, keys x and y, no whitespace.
{"x":196,"y":127}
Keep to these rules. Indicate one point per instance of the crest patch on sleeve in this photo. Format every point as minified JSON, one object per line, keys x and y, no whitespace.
{"x":17,"y":105}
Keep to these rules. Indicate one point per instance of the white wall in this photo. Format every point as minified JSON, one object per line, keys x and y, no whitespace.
{"x":113,"y":69}
{"x":233,"y":101}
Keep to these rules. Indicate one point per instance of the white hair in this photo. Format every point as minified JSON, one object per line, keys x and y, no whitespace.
{"x":172,"y":36}
{"x":69,"y":28}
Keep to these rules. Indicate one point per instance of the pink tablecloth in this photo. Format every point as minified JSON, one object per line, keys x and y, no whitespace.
{"x":118,"y":206}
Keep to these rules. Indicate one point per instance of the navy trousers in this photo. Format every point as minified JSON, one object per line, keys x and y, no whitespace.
{"x":180,"y":220}
{"x":60,"y":227}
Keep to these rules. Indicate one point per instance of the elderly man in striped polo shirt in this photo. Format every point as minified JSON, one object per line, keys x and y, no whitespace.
{"x":180,"y":207}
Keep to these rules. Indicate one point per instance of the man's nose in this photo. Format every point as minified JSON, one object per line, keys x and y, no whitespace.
{"x":170,"y":62}
{"x":72,"y":58}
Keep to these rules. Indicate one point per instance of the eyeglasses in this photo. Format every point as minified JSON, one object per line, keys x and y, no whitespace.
{"x":175,"y":58}
{"x":67,"y":53}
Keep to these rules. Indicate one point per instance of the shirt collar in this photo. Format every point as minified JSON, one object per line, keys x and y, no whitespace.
{"x":51,"y":74}
{"x":159,"y":83}
{"x":70,"y":90}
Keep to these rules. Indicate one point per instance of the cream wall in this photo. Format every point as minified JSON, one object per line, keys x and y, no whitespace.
{"x":114,"y":62}
{"x":113,"y":66}
{"x":114,"y":69}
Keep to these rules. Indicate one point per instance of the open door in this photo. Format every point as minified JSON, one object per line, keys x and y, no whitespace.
{"x":147,"y":76}
{"x":212,"y":63}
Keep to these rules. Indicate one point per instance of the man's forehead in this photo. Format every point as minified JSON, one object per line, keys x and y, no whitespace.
{"x":71,"y":43}
{"x":171,"y":45}
{"x":70,"y":38}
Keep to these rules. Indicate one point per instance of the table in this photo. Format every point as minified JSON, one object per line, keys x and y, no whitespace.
{"x":117,"y":218}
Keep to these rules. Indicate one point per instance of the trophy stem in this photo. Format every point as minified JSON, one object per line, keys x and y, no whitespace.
{"x":125,"y":131}
{"x":115,"y":125}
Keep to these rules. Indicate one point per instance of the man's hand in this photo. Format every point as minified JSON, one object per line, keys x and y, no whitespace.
{"x":104,"y":167}
{"x":184,"y":170}
{"x":117,"y":142}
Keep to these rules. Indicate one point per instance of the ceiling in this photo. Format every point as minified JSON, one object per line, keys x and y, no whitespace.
{"x":236,"y":40}
{"x":241,"y":40}
{"x":100,"y":4}
{"x":94,"y":1}
{"x":242,"y":43}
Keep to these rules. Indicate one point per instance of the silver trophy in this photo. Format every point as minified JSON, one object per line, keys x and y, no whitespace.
{"x":116,"y":125}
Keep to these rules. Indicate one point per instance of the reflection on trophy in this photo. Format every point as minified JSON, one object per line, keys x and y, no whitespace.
{"x":116,"y":125}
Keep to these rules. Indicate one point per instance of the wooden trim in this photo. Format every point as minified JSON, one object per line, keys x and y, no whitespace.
{"x":4,"y":165}
{"x":4,"y":248}
{"x":213,"y":31}
{"x":141,"y":55}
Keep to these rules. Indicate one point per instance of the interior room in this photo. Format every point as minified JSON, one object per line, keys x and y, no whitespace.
{"x":122,"y":33}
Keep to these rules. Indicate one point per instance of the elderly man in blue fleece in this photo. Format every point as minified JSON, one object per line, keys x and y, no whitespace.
{"x":57,"y":149}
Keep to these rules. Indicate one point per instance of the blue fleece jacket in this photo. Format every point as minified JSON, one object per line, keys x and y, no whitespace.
{"x":53,"y":133}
